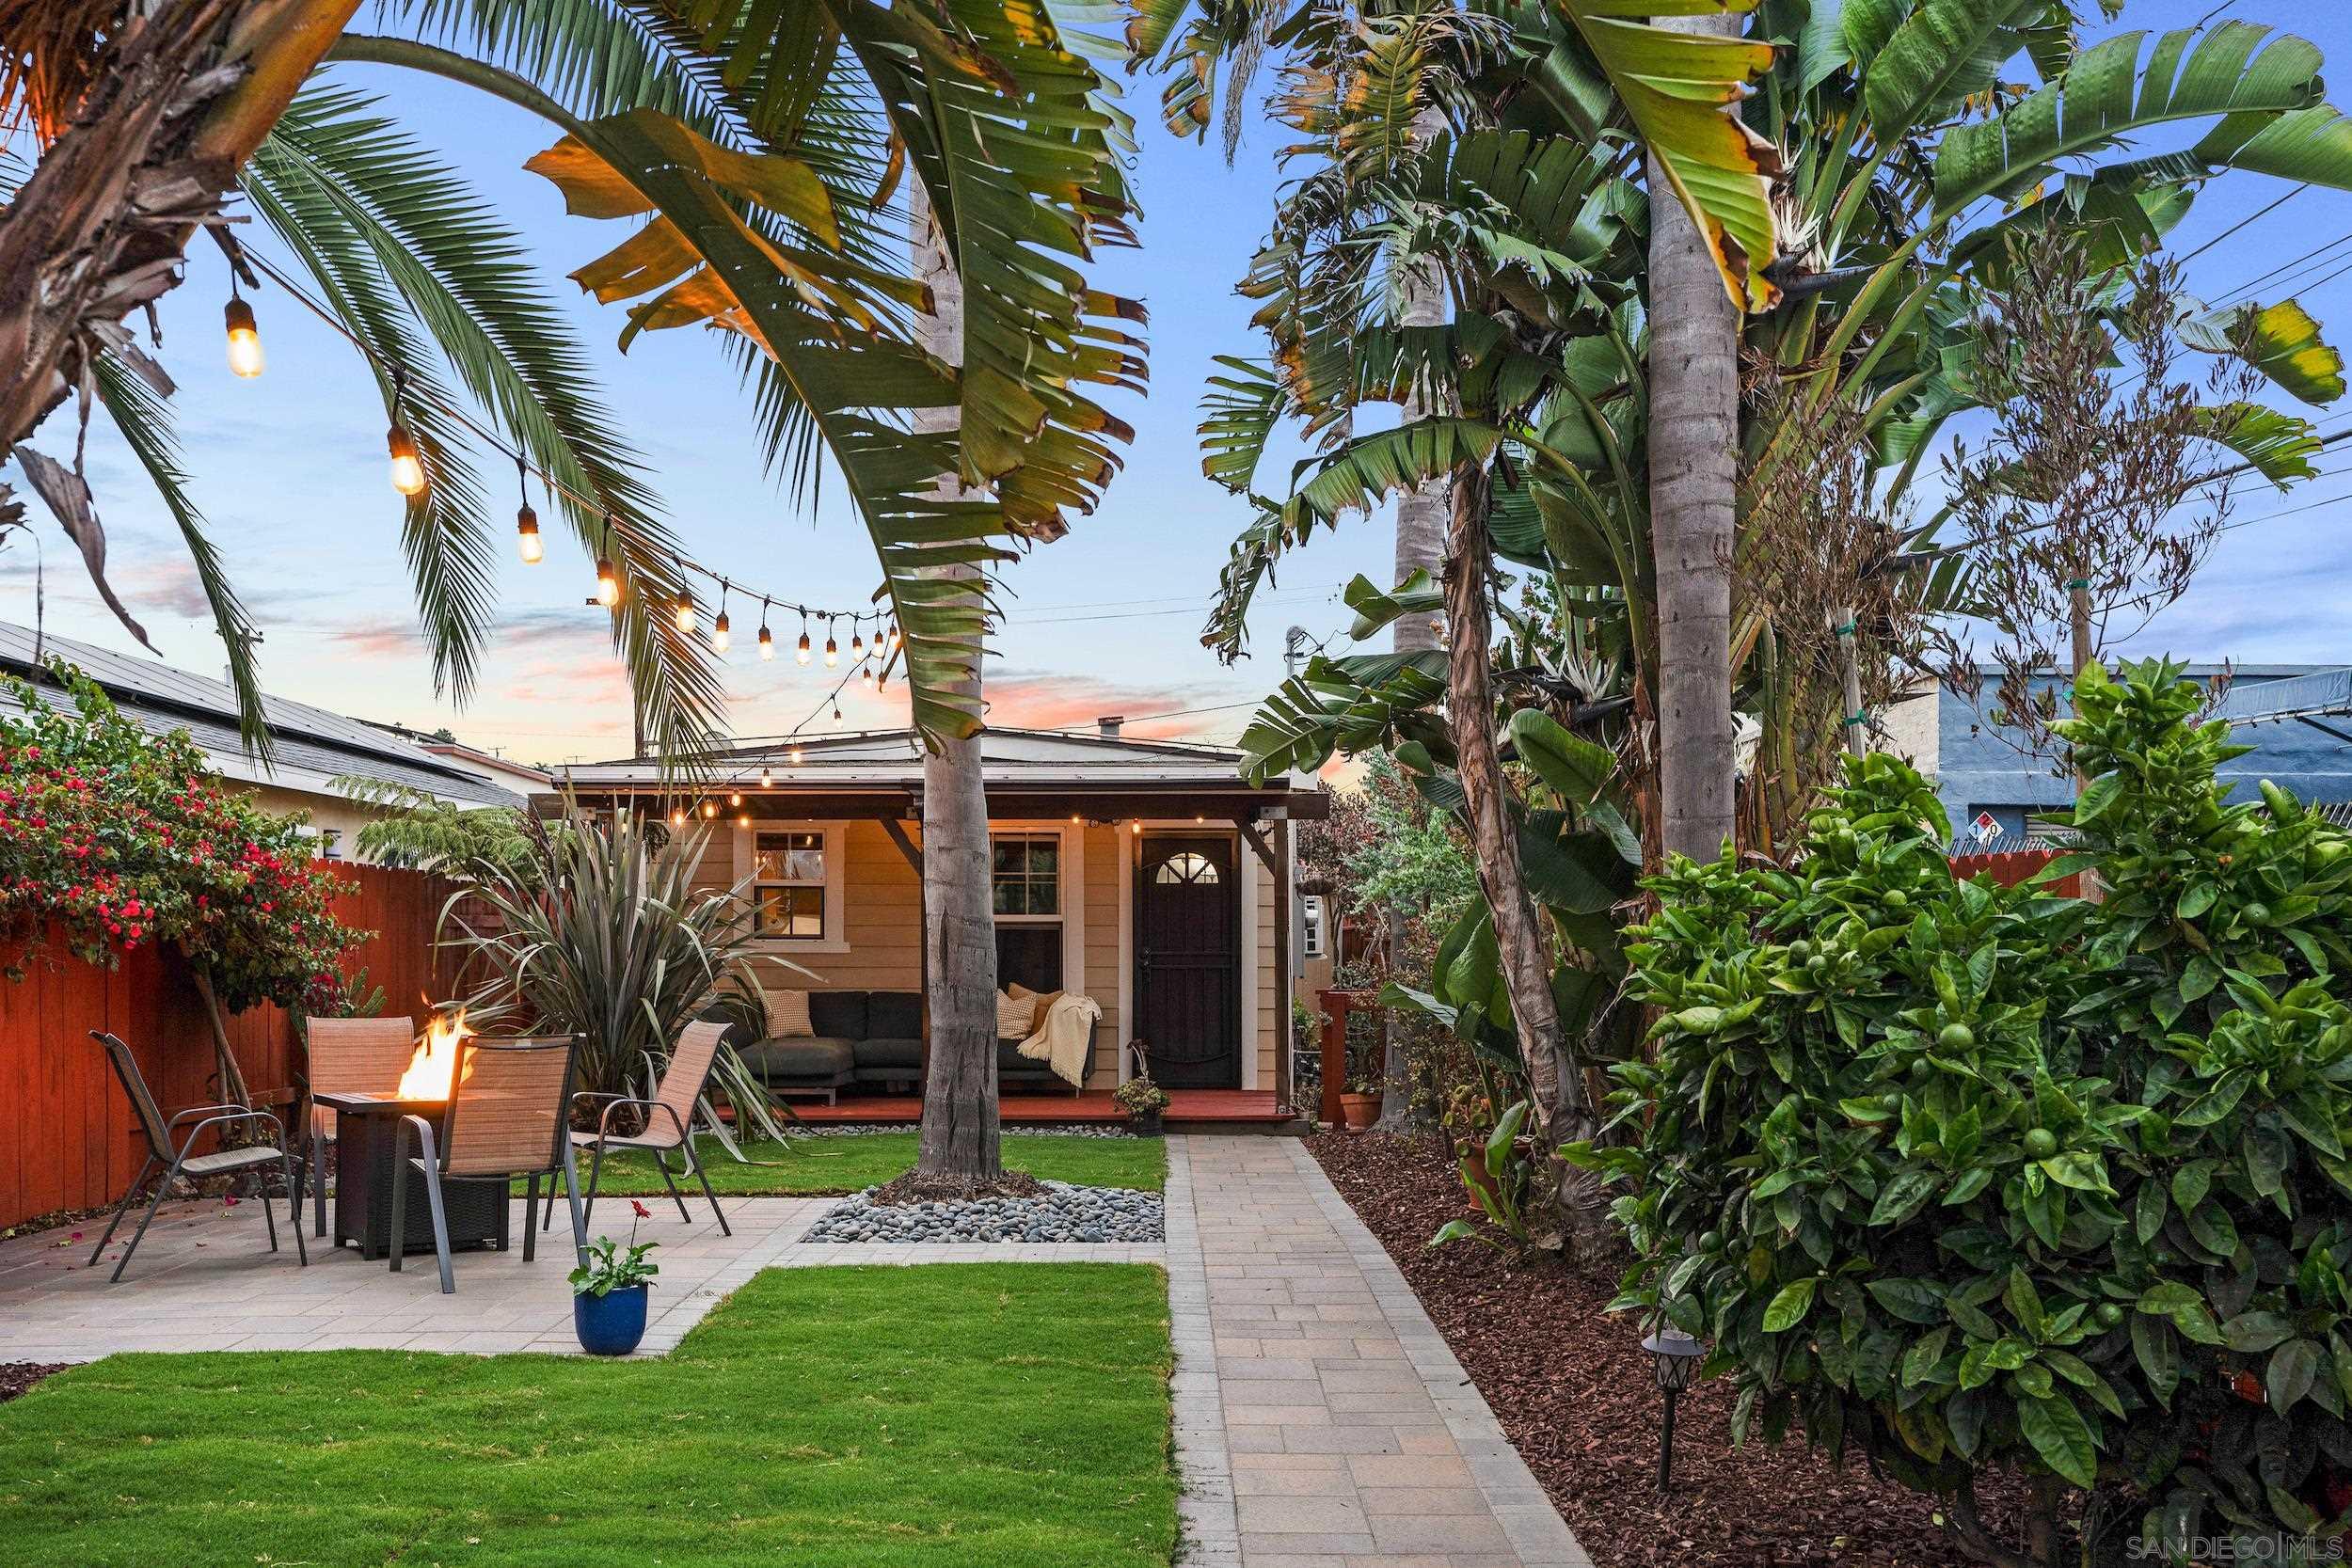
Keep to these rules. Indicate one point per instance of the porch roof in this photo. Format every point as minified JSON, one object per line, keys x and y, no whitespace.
{"x":1035,"y":772}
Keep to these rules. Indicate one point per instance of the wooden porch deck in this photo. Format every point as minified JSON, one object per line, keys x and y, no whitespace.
{"x":1188,"y":1109}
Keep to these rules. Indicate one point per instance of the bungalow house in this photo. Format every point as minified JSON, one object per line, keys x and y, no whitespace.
{"x":1145,"y":874}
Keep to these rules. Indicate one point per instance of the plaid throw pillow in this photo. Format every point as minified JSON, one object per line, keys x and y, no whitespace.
{"x":788,"y":1014}
{"x":1014,"y":1014}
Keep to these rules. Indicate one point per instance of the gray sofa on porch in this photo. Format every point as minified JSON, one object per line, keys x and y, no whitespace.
{"x":862,"y":1038}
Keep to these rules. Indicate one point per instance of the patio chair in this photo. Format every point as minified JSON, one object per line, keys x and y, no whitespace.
{"x":349,"y":1056}
{"x":666,"y":1121}
{"x":177,"y":1161}
{"x":506,"y":1118}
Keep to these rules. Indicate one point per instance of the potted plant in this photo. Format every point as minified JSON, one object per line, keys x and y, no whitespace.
{"x":1359,"y":1104}
{"x":609,"y":1291}
{"x":1143,"y":1102}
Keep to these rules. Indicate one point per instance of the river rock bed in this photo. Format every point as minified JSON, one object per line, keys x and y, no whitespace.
{"x":1063,"y":1213}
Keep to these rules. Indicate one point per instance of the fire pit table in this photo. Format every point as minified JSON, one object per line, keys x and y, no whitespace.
{"x":367,"y":1132}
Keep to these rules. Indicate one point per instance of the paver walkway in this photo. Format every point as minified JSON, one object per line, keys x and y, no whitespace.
{"x":1320,"y":1420}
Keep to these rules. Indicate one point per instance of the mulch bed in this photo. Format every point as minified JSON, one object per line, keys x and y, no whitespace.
{"x":1574,"y":1390}
{"x":18,"y":1376}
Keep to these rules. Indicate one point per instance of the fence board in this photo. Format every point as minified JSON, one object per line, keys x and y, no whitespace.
{"x":2012,"y":866}
{"x":66,"y":1136}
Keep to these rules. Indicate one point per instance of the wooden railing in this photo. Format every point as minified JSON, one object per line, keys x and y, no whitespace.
{"x":2012,"y":866}
{"x":1336,"y":1005}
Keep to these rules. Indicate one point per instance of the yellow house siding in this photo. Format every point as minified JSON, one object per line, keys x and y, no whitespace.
{"x":1106,"y":853}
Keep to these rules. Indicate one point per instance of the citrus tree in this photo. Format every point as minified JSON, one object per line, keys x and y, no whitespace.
{"x":1967,"y":1179}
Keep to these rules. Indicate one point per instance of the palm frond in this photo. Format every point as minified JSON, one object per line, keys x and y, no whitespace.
{"x":143,"y":418}
{"x":464,"y":276}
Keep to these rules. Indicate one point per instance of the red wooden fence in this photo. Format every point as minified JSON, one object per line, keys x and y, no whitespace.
{"x":2012,"y":866}
{"x":66,"y":1136}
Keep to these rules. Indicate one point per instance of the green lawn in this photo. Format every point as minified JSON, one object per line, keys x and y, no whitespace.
{"x":996,"y":1415}
{"x":848,"y":1165}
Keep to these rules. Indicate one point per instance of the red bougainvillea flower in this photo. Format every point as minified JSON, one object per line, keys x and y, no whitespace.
{"x":643,"y":1213}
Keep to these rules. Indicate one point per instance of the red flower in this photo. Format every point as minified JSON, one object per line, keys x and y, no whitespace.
{"x":643,"y":1213}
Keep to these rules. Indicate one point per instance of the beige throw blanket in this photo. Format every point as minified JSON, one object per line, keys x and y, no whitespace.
{"x":1062,"y":1043}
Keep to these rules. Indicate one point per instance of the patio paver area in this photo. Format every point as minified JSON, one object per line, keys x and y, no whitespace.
{"x":1321,"y":1421}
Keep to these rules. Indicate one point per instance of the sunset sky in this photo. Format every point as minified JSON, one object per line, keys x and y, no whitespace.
{"x":289,"y":472}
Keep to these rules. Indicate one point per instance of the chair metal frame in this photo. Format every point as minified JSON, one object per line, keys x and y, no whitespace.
{"x":314,"y":1165}
{"x":143,"y":1102}
{"x":437,"y":1145}
{"x":660,"y":1161}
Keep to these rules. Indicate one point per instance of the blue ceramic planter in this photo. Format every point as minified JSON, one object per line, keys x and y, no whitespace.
{"x":612,"y":1323}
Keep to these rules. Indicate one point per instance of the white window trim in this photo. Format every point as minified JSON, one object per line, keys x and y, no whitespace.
{"x":837,"y":912}
{"x":1073,"y":918}
{"x":1314,"y":935}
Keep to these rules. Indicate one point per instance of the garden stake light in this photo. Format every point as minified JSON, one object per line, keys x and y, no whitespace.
{"x":1674,"y":1356}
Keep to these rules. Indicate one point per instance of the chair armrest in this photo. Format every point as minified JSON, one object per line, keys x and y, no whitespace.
{"x":604,"y":1123}
{"x":197,"y":1130}
{"x":201,"y":1110}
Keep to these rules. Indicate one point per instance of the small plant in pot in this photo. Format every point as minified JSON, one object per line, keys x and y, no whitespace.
{"x":1360,"y":1102}
{"x":1144,"y":1101}
{"x":609,"y":1291}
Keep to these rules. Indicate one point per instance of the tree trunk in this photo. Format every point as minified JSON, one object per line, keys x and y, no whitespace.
{"x":1555,"y":1086}
{"x":99,"y":228}
{"x":1421,"y":532}
{"x":960,"y":1117}
{"x":232,"y":1084}
{"x":1694,"y":467}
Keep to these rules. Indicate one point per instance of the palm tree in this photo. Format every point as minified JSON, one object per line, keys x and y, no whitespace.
{"x":764,"y":147}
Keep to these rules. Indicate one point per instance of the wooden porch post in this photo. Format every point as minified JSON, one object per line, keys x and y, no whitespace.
{"x":1279,"y":872}
{"x":1335,"y":1005}
{"x":922,"y":917}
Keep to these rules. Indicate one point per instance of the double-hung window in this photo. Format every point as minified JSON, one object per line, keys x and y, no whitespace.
{"x":1025,"y":874}
{"x":788,"y":884}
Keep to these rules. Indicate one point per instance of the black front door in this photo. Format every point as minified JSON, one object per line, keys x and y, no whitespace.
{"x":1188,"y":961}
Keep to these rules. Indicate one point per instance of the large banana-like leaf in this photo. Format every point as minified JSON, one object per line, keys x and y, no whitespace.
{"x":2282,"y":340}
{"x":2278,"y":446}
{"x":1679,"y":90}
{"x":1238,"y":413}
{"x":1350,"y":704}
{"x":2273,"y":121}
{"x":1943,"y":50}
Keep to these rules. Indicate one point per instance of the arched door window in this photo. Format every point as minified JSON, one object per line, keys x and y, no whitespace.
{"x":1186,"y":867}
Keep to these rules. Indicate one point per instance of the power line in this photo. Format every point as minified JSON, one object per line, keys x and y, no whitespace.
{"x":2240,"y":228}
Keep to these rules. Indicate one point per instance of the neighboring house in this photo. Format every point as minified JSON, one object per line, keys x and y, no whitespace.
{"x":1142,"y":873}
{"x":1979,"y":771}
{"x":519,"y":777}
{"x":309,"y":745}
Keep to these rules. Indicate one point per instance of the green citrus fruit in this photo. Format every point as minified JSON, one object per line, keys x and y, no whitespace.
{"x":1896,"y":898}
{"x":1956,"y":1037}
{"x":1798,"y":952}
{"x":2041,"y":1143}
{"x":1710,"y":1241}
{"x":2108,"y":1315}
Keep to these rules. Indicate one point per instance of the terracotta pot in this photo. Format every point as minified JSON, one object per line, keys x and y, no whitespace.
{"x":1359,"y":1111}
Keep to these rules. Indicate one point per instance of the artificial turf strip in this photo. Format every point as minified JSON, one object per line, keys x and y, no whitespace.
{"x":852,"y":1163}
{"x":993,"y":1415}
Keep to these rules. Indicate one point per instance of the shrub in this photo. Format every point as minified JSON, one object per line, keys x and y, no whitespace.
{"x":123,"y":839}
{"x":1968,"y":1178}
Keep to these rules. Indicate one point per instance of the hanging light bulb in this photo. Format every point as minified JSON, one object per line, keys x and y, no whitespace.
{"x":869,"y":677}
{"x":526,"y":520}
{"x":246,"y":359}
{"x":801,"y":653}
{"x":837,"y":710}
{"x":895,"y":639}
{"x":796,"y":756}
{"x":767,"y":637}
{"x":735,"y":798}
{"x":719,"y":638}
{"x":832,"y":650}
{"x":710,"y":809}
{"x":608,"y":584}
{"x":684,"y":611}
{"x":677,"y":817}
{"x":857,"y":643}
{"x":744,"y":820}
{"x":408,"y":467}
{"x":767,"y":776}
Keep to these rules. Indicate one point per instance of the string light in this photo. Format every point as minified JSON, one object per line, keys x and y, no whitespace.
{"x":526,"y":520}
{"x":767,"y":776}
{"x":767,"y":637}
{"x":837,"y":710}
{"x":719,"y":638}
{"x":857,"y":643}
{"x":677,"y":817}
{"x":801,"y":653}
{"x":735,"y":798}
{"x":710,"y":809}
{"x":894,"y":637}
{"x":246,"y":359}
{"x":684,"y":612}
{"x":796,"y":756}
{"x":408,"y":467}
{"x":608,"y":584}
{"x":832,"y":649}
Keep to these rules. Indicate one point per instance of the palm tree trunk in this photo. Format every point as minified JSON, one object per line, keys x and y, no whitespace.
{"x":99,"y":228}
{"x":959,"y":1140}
{"x":1693,"y":436}
{"x":1421,"y":532}
{"x":1555,"y":1083}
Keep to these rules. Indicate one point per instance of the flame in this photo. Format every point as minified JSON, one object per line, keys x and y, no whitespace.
{"x":435,"y":1063}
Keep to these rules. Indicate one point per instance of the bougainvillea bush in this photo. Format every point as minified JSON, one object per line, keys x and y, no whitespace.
{"x":118,"y":840}
{"x":1966,"y":1177}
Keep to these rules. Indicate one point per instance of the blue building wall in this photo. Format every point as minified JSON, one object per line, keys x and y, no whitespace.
{"x":1979,"y":771}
